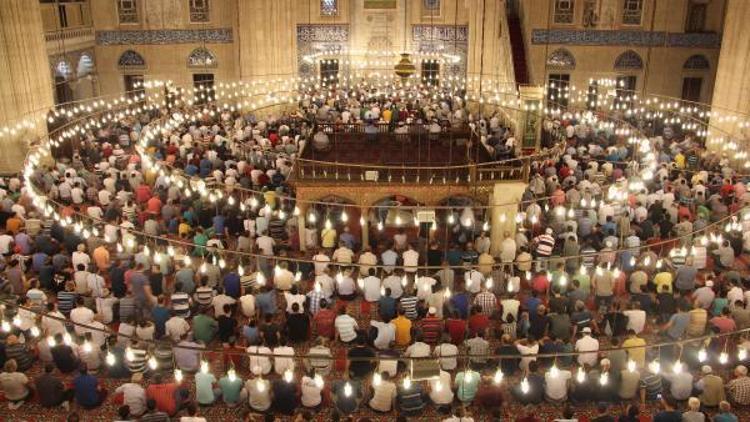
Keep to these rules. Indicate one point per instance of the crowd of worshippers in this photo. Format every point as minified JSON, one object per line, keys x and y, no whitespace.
{"x":600,"y":278}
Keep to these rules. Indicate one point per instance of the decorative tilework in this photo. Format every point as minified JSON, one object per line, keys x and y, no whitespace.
{"x":164,"y":36}
{"x":201,"y":57}
{"x":130,"y":58}
{"x":333,"y":38}
{"x":444,"y":39}
{"x":440,"y":32}
{"x":628,"y":38}
{"x":562,"y":59}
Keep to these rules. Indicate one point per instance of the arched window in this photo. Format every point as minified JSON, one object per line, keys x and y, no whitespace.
{"x":562,"y":59}
{"x":85,"y":65}
{"x":629,"y":60}
{"x":201,"y":57}
{"x":696,"y":62}
{"x":131,"y":60}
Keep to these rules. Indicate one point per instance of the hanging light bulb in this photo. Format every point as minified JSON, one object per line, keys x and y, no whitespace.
{"x":631,"y":365}
{"x":232,"y":375}
{"x":498,"y":377}
{"x":553,"y":371}
{"x":380,"y":226}
{"x":260,"y":279}
{"x":347,"y":389}
{"x":723,"y":358}
{"x":260,"y":385}
{"x":110,"y":359}
{"x":35,"y":331}
{"x":129,"y":355}
{"x":296,"y":211}
{"x":312,"y":218}
{"x":451,"y":218}
{"x":204,"y":367}
{"x":580,"y":375}
{"x":362,"y":221}
{"x":488,"y":284}
{"x":447,"y":292}
{"x":407,"y":382}
{"x":525,"y":385}
{"x":178,"y":375}
{"x":67,"y":339}
{"x":404,"y":281}
{"x":677,"y":367}
{"x":328,"y":224}
{"x":702,"y":355}
{"x":741,"y":353}
{"x":654,"y":367}
{"x":240,"y":270}
{"x":377,"y":379}
{"x":152,"y":363}
{"x":344,"y":217}
{"x":604,"y":378}
{"x":87,"y":346}
{"x":51,"y":341}
{"x":318,"y":380}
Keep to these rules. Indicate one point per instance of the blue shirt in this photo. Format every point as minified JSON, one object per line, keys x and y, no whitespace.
{"x":219,"y":224}
{"x":725,"y":417}
{"x":160,"y":315}
{"x":461,"y":303}
{"x":232,"y":285}
{"x":266,"y":302}
{"x":85,"y":389}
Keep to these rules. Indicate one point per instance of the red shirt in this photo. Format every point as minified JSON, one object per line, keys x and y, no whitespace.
{"x":540,"y":283}
{"x":478,"y":322}
{"x":154,"y":205}
{"x":457,"y":329}
{"x":163,"y":395}
{"x":724,"y":324}
{"x":324,"y":323}
{"x":142,"y":193}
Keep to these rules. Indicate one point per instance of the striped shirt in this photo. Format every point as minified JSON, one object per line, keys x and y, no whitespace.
{"x":409,"y":305}
{"x":127,"y":308}
{"x":66,"y":301}
{"x":432,"y":328}
{"x":156,"y":416}
{"x":138,"y":363}
{"x":19,"y":352}
{"x":204,"y":295}
{"x":544,"y":245}
{"x":181,"y":304}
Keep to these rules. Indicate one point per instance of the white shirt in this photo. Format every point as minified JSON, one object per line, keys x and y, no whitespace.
{"x":383,"y":395}
{"x":259,"y":364}
{"x":292,"y":299}
{"x":371,"y":288}
{"x":393,"y":282}
{"x":346,"y":326}
{"x":556,"y":388}
{"x":218,"y":303}
{"x":440,"y":389}
{"x":386,"y":334}
{"x":424,"y":286}
{"x":5,"y":241}
{"x":310,"y":392}
{"x":80,"y":258}
{"x":53,"y":326}
{"x":81,"y":315}
{"x":530,"y":353}
{"x":474,"y":280}
{"x":281,"y":364}
{"x":176,"y":327}
{"x":636,"y":319}
{"x":587,"y":344}
{"x":247,"y":304}
{"x":411,"y":260}
{"x":446,"y":349}
{"x":418,"y":350}
{"x":265,"y":245}
{"x":326,"y":284}
{"x":321,"y":263}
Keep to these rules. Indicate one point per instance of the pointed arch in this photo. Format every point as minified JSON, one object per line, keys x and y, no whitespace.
{"x":130,"y":59}
{"x":202,"y":57}
{"x":561,"y":59}
{"x":696,"y":62}
{"x":629,"y":60}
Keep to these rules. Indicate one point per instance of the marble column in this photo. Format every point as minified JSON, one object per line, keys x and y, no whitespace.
{"x":732,"y":86}
{"x":364,"y":220}
{"x":25,"y":85}
{"x":302,"y":224}
{"x":504,"y":198}
{"x":267,"y":39}
{"x":489,"y":55}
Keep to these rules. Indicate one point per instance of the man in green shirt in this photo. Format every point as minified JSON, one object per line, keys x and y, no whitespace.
{"x":467,"y":383}
{"x":205,"y":393}
{"x":231,"y":389}
{"x":204,"y":328}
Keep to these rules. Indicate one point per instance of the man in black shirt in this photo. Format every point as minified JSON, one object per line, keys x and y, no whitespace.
{"x":297,"y":325}
{"x":359,"y":365}
{"x":270,"y":332}
{"x":284,"y":397}
{"x":227,"y":324}
{"x":63,"y":356}
{"x":51,"y":390}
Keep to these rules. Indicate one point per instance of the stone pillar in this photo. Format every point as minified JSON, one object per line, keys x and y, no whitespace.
{"x":364,"y":213}
{"x":503,"y":217}
{"x":732,"y":86}
{"x":301,"y":225}
{"x":267,"y":39}
{"x":25,"y":85}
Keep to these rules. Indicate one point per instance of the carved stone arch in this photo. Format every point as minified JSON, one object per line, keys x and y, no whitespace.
{"x":202,"y":57}
{"x":696,"y":62}
{"x":561,"y":58}
{"x":131,"y":59}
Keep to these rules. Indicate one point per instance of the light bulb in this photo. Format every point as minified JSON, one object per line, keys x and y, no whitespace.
{"x":152,"y":363}
{"x":6,"y":326}
{"x":232,"y":375}
{"x":51,"y":341}
{"x":438,"y":386}
{"x":298,"y":276}
{"x":87,"y":346}
{"x":525,"y":385}
{"x":319,"y":382}
{"x":328,"y":224}
{"x":498,"y":378}
{"x":204,"y":367}
{"x":377,"y":379}
{"x":344,"y":217}
{"x":553,"y":371}
{"x":631,"y":365}
{"x":677,"y":367}
{"x":260,"y":279}
{"x":35,"y":332}
{"x":702,"y":355}
{"x":260,"y":385}
{"x":67,"y":339}
{"x":654,"y":367}
{"x":178,"y":375}
{"x":488,"y":283}
{"x":742,"y":353}
{"x":580,"y":376}
{"x":604,"y":378}
{"x":110,"y":359}
{"x":380,"y":226}
{"x":723,"y":358}
{"x":347,"y":389}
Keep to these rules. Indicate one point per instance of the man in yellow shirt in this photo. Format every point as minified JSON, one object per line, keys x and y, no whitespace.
{"x":636,"y":349}
{"x":403,"y":329}
{"x":328,"y":238}
{"x":663,"y":278}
